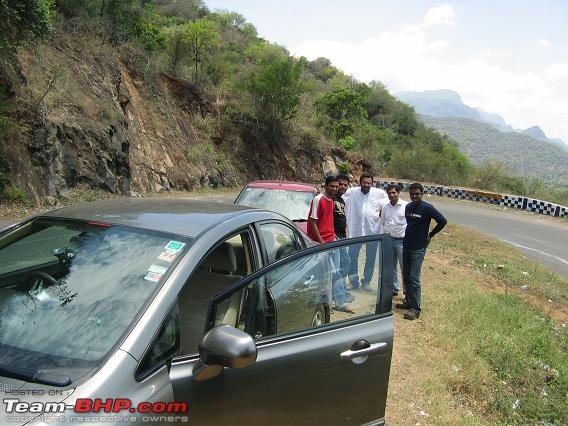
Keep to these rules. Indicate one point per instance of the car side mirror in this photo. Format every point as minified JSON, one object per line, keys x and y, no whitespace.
{"x":224,"y":346}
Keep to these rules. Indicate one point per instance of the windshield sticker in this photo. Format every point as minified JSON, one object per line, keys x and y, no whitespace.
{"x":175,"y":246}
{"x":168,"y":255}
{"x":152,"y":276}
{"x":171,"y":250}
{"x":157,"y":269}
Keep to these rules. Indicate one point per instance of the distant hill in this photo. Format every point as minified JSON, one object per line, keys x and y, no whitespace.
{"x":523,"y":154}
{"x":535,"y":132}
{"x":439,"y":103}
{"x":496,"y":120}
{"x":560,"y":143}
{"x":447,"y":103}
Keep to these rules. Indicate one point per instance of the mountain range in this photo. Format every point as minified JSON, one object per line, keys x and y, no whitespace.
{"x":447,"y":103}
{"x":484,"y":136}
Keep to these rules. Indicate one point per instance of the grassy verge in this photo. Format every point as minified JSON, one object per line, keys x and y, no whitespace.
{"x":505,"y":267}
{"x":478,"y":354}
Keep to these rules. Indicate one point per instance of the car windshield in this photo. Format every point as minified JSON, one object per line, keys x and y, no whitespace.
{"x":295,"y":205}
{"x":70,"y":289}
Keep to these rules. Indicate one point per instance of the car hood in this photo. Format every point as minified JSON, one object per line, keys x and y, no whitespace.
{"x":14,"y":389}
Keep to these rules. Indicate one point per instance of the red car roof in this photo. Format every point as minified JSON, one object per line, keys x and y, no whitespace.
{"x":284,"y":185}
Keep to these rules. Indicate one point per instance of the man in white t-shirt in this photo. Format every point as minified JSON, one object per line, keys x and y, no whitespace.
{"x":362,"y":209}
{"x":393,"y":222}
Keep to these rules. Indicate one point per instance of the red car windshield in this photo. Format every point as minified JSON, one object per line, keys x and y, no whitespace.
{"x":295,"y":205}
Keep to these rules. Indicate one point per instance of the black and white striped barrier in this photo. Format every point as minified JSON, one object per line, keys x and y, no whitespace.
{"x":504,"y":200}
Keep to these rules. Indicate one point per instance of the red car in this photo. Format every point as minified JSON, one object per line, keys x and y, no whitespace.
{"x":291,"y":199}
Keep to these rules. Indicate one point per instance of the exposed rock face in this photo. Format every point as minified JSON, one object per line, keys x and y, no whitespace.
{"x":69,"y":155}
{"x":85,"y":119}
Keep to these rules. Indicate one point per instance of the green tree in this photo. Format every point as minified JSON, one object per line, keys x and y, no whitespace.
{"x":121,"y":17}
{"x":22,"y":20}
{"x":275,"y":84}
{"x":343,"y":109}
{"x":200,"y":38}
{"x":176,"y":47}
{"x":404,"y":119}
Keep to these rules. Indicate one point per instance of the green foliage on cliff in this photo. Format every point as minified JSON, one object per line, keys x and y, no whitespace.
{"x":343,"y":110}
{"x":275,"y":83}
{"x":23,"y":20}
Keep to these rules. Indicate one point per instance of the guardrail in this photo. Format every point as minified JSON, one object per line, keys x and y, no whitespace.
{"x":504,"y":200}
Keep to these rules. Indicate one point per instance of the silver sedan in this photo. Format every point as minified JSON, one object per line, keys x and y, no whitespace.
{"x":168,"y":310}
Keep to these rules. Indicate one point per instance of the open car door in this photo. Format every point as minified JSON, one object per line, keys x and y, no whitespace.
{"x":310,"y":361}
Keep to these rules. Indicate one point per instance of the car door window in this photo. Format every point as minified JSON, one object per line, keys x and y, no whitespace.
{"x":309,"y":291}
{"x":352,"y":351}
{"x":279,"y":241}
{"x":227,"y":263}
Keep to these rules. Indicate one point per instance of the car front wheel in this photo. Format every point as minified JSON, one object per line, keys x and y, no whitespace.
{"x":319,"y":317}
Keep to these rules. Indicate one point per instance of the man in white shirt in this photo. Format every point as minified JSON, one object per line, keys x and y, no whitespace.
{"x":393,"y":222}
{"x":362,"y":209}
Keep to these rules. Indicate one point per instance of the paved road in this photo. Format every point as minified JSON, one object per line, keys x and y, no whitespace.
{"x":538,"y":237}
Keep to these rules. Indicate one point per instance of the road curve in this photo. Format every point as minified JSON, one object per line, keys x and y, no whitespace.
{"x":539,"y":237}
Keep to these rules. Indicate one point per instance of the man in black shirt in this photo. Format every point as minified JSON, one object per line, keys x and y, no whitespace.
{"x":340,"y":227}
{"x":416,"y":238}
{"x":339,"y":220}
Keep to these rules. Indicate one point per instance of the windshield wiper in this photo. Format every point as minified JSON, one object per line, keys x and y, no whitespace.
{"x":299,"y":220}
{"x":30,"y":375}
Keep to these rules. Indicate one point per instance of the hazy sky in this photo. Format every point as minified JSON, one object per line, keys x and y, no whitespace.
{"x":507,"y":57}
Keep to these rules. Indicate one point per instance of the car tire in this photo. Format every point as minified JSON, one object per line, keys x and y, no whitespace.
{"x":320,"y":316}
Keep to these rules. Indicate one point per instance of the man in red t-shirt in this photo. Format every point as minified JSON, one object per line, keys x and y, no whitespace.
{"x":320,"y":229}
{"x":320,"y":219}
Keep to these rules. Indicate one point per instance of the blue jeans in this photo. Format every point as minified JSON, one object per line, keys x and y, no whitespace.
{"x":338,"y":291}
{"x":344,"y":263}
{"x":411,"y":268}
{"x":371,"y":255}
{"x":396,"y":261}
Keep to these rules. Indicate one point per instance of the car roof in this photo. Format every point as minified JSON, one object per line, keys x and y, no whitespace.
{"x":172,"y":215}
{"x":284,"y":185}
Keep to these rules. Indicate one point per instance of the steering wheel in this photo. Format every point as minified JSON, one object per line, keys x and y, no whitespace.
{"x":41,"y":278}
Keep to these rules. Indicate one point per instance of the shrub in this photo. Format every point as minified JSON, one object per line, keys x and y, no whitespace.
{"x":15,"y":193}
{"x":343,"y":167}
{"x":347,"y":143}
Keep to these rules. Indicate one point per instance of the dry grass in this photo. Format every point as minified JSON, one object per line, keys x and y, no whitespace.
{"x":478,"y":355}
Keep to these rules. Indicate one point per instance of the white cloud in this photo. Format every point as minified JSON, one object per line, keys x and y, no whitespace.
{"x":443,"y":14}
{"x":411,"y":60}
{"x":544,"y":42}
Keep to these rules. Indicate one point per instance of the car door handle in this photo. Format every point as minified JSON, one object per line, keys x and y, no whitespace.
{"x":361,"y":355}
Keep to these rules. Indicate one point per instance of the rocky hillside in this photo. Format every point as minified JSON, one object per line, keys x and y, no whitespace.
{"x":85,"y":117}
{"x":148,"y":95}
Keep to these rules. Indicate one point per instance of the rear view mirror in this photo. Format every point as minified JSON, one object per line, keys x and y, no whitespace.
{"x":224,"y":346}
